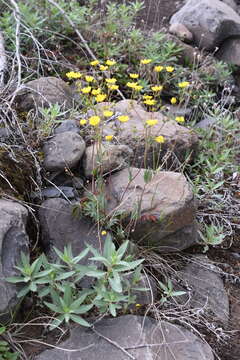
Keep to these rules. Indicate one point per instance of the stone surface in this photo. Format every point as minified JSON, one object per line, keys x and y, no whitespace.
{"x":169,"y":342}
{"x":55,"y":192}
{"x":44,"y":92}
{"x":163,"y":209}
{"x":231,"y":3}
{"x":67,"y":125}
{"x":60,"y":227}
{"x":63,"y":150}
{"x":105,"y":158}
{"x":207,"y":289}
{"x":206,"y":123}
{"x":13,"y":240}
{"x":210,"y":22}
{"x":178,"y":139}
{"x":181,"y":31}
{"x":230,"y":51}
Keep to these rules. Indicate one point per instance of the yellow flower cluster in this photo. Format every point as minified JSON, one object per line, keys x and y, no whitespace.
{"x":183,"y":84}
{"x":151,"y":122}
{"x":134,"y":76}
{"x":160,"y":139}
{"x":173,"y":100}
{"x":94,"y":120}
{"x":73,"y":75}
{"x":134,"y":85}
{"x":150,"y":102}
{"x":157,"y":88}
{"x":158,"y":68}
{"x":180,"y":119}
{"x":111,"y":80}
{"x":89,"y":78}
{"x":108,"y":137}
{"x":123,"y":118}
{"x":96,"y":91}
{"x":100,"y":97}
{"x":169,"y":69}
{"x":86,"y":90}
{"x":108,"y":113}
{"x":145,"y":61}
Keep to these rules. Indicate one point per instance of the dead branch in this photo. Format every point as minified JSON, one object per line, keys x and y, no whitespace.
{"x":3,"y":60}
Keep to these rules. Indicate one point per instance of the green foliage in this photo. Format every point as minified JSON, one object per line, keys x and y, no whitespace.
{"x":116,"y":279}
{"x":212,"y":235}
{"x":5,"y":352}
{"x":168,"y":291}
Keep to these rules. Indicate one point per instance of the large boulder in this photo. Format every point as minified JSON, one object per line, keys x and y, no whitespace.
{"x":44,"y":92}
{"x":229,"y":51}
{"x":158,"y":213}
{"x":135,"y":337}
{"x":63,"y":150}
{"x":13,"y":240}
{"x":179,"y":141}
{"x":210,"y":22}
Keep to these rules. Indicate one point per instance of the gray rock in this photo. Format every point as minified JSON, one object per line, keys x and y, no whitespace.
{"x":207,"y":289}
{"x":67,"y":125}
{"x":55,"y":192}
{"x":206,"y":123}
{"x":229,"y":51}
{"x":231,"y":3}
{"x":60,"y":227}
{"x":160,"y":213}
{"x":106,"y":158}
{"x":63,"y":150}
{"x":4,"y":134}
{"x":44,"y":92}
{"x":131,"y":333}
{"x":210,"y":22}
{"x":181,"y":31}
{"x":13,"y":240}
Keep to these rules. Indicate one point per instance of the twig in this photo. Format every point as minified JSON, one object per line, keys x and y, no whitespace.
{"x":16,"y":13}
{"x":3,"y":60}
{"x":114,"y":344}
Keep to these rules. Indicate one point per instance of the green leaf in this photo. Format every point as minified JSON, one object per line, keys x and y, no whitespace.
{"x":43,"y":292}
{"x":112,"y":310}
{"x":115,"y":282}
{"x":23,"y":292}
{"x":2,"y":330}
{"x":65,"y":275}
{"x":96,"y":273}
{"x":67,"y":297}
{"x":53,"y":307}
{"x":56,"y":322}
{"x":14,"y":279}
{"x":80,"y":320}
{"x":83,"y":309}
{"x":108,"y":248}
{"x":121,"y":251}
{"x":81,"y":255}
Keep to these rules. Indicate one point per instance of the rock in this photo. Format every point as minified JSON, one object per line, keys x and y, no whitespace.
{"x":145,"y":297}
{"x":106,"y":158}
{"x":178,"y":139}
{"x":63,"y":150}
{"x":206,"y":123}
{"x":181,"y":31}
{"x":55,"y":192}
{"x":229,"y":51}
{"x":189,"y":55}
{"x":159,"y":213}
{"x":231,"y":3}
{"x":44,"y":92}
{"x":5,"y":134}
{"x":13,"y":240}
{"x":207,"y":289}
{"x":130,"y":332}
{"x":210,"y":22}
{"x":67,"y":125}
{"x":60,"y":228}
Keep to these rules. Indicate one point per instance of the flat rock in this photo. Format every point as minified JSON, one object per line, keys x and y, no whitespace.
{"x":160,"y":213}
{"x":44,"y":92}
{"x":178,"y":139}
{"x":105,"y":158}
{"x":63,"y":150}
{"x":55,"y":192}
{"x":210,"y":22}
{"x":60,"y":228}
{"x":67,"y":125}
{"x":13,"y":240}
{"x":207,"y":289}
{"x":168,"y":342}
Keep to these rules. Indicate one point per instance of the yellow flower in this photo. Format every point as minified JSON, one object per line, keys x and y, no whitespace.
{"x":83,"y":122}
{"x":123,"y":118}
{"x":183,"y":84}
{"x":110,"y":62}
{"x":150,"y":102}
{"x":157,"y":88}
{"x":113,"y":87}
{"x":180,"y":119}
{"x":94,"y":120}
{"x":94,"y":62}
{"x":151,"y":122}
{"x":173,"y":100}
{"x":138,"y":87}
{"x":111,"y":80}
{"x":131,"y":84}
{"x":103,"y":67}
{"x":96,"y":91}
{"x":73,"y":75}
{"x":108,"y":137}
{"x":160,"y":139}
{"x":145,"y":61}
{"x":147,"y":97}
{"x":89,"y":78}
{"x":107,"y":113}
{"x":134,"y":76}
{"x":169,"y":69}
{"x":104,"y":232}
{"x":138,"y":305}
{"x":100,"y":97}
{"x":158,"y":68}
{"x":86,"y":90}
